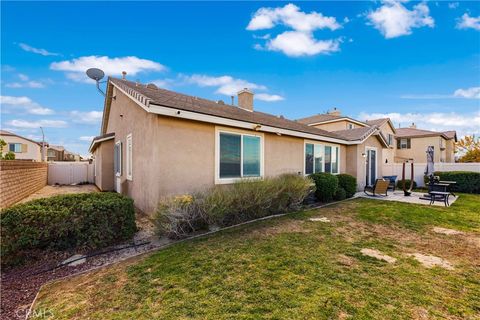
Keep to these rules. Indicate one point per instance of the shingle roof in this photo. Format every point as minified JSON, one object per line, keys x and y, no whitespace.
{"x":8,"y":133}
{"x":377,"y":122}
{"x":356,"y":133}
{"x":418,"y":133}
{"x":180,"y":101}
{"x":319,"y":118}
{"x":96,"y":140}
{"x":451,"y":134}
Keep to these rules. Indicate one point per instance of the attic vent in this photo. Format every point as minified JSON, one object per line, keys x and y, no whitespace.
{"x":151,"y":86}
{"x":220,"y":102}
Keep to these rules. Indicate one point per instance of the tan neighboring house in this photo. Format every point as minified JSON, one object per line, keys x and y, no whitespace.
{"x":412,"y":144}
{"x":155,"y":143}
{"x":403,"y":143}
{"x":23,"y":148}
{"x":59,"y":153}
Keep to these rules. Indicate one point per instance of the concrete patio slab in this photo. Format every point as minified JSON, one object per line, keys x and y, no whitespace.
{"x":413,"y":198}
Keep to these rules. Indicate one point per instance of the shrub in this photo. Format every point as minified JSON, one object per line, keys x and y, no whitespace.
{"x":9,"y":156}
{"x":233,"y":204}
{"x":467,"y":181}
{"x":88,"y":220}
{"x":326,"y":186}
{"x":341,"y":194}
{"x":407,"y":184}
{"x":348,"y":183}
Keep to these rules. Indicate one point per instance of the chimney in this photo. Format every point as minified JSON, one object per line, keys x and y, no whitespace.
{"x":413,"y":125}
{"x":335,"y":112}
{"x":245,"y":99}
{"x":124,"y":74}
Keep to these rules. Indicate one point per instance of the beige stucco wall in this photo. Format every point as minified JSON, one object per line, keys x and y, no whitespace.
{"x":177,"y":156}
{"x":419,"y":147}
{"x":335,"y":126}
{"x":104,"y":166}
{"x":356,"y":164}
{"x":33,"y":150}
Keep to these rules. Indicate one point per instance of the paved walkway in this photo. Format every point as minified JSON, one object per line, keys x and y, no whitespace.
{"x":414,"y":198}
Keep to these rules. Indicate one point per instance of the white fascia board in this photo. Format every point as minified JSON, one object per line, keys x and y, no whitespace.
{"x":182,"y":114}
{"x":94,"y":142}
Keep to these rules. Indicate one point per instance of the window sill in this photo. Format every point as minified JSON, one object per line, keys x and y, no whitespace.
{"x":233,"y":180}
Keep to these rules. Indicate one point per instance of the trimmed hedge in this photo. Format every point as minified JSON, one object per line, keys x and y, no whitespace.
{"x":87,"y":220}
{"x":341,"y":194}
{"x":467,"y":181}
{"x":407,"y":184}
{"x":348,"y":183}
{"x":326,"y":186}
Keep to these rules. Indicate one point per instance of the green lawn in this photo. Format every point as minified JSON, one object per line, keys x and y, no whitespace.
{"x":293,"y":268}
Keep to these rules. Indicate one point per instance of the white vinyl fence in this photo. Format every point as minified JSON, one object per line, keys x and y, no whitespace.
{"x":395,"y":169}
{"x":70,"y":172}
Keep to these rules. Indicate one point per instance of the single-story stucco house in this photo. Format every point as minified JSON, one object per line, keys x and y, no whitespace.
{"x":155,"y":143}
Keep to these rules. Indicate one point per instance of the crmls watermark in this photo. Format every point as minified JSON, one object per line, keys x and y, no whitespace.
{"x":40,"y":313}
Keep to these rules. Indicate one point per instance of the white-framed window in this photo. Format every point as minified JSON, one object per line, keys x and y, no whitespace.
{"x":350,"y":126}
{"x":117,"y":158}
{"x":15,"y":147}
{"x":404,"y":143}
{"x":129,"y":148}
{"x":321,"y":158}
{"x":390,"y":139}
{"x":238,"y":155}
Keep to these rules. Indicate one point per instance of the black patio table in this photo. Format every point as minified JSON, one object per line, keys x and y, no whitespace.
{"x":450,"y":184}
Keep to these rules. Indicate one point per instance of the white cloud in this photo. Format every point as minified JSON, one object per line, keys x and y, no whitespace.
{"x":230,"y":86}
{"x":75,"y":68}
{"x":453,"y":5}
{"x":86,"y":138}
{"x":464,"y":124}
{"x":26,"y":104}
{"x":296,"y":44}
{"x":27,"y":84}
{"x":42,"y":52}
{"x":268,"y":97}
{"x":291,"y":16}
{"x":468,"y":22}
{"x":300,"y":41}
{"x":227,"y":85}
{"x":37,"y":124}
{"x":470,"y":93}
{"x":89,"y":117}
{"x":393,"y":19}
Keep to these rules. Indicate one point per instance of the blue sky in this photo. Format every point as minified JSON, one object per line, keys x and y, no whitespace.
{"x":412,"y":61}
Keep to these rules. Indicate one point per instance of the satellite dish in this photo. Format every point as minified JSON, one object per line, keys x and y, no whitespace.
{"x":95,"y":74}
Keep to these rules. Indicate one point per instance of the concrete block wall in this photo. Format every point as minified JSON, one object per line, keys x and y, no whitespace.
{"x":19,"y":179}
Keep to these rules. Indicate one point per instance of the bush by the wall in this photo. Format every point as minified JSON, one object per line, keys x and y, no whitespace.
{"x":341,"y":194}
{"x":348,"y":183}
{"x":88,"y":220}
{"x":467,"y":181}
{"x":326,"y":186}
{"x":407,"y":184}
{"x":229,"y":205}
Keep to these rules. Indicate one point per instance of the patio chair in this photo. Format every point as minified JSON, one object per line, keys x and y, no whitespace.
{"x":379,"y":188}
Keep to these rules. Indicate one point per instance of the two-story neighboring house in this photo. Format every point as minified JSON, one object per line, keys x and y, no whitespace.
{"x":411,"y":143}
{"x":364,"y":159}
{"x":403,"y":143}
{"x":23,"y":148}
{"x":59,"y":153}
